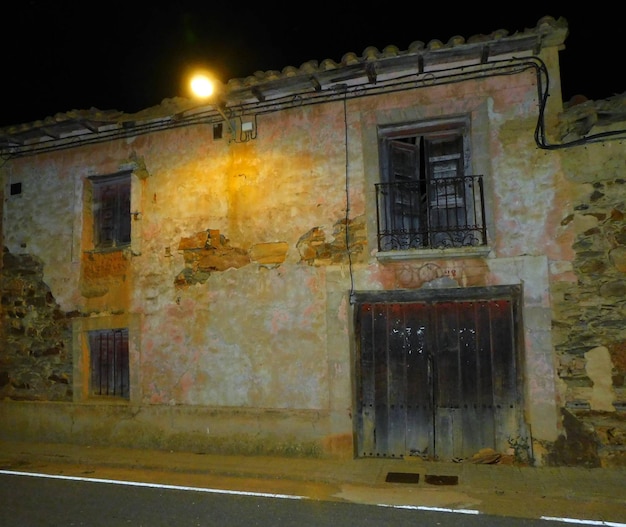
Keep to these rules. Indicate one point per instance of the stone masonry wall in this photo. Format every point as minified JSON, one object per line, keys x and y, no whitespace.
{"x":36,"y":361}
{"x":589,"y":331}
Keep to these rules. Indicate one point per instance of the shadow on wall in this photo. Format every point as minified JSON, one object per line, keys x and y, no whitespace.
{"x":578,"y":447}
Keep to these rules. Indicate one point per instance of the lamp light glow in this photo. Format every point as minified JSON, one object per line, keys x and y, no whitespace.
{"x":202,"y":86}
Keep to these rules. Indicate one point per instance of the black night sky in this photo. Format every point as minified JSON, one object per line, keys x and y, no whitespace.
{"x":123,"y":55}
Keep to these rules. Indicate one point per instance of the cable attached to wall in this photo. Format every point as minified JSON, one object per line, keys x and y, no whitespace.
{"x":347,"y":164}
{"x":414,"y":79}
{"x":540,"y":129}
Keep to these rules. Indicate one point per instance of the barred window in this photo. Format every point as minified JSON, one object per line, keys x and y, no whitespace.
{"x":111,"y":207}
{"x":108,"y":350}
{"x":425,"y":198}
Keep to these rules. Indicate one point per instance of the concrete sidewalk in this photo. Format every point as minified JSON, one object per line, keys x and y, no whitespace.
{"x":596,"y":495}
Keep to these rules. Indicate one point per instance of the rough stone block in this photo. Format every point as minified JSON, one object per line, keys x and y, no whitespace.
{"x":197,"y":241}
{"x":269,"y":253}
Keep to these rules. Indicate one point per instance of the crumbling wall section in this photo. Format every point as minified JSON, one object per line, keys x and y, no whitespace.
{"x":36,"y":361}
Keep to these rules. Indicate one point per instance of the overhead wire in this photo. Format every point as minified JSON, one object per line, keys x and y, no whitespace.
{"x":403,"y":82}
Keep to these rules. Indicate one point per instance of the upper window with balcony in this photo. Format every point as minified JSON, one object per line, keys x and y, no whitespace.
{"x":426,"y":199}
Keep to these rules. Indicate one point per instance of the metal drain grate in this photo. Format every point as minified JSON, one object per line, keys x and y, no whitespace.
{"x":402,"y":477}
{"x":441,"y":480}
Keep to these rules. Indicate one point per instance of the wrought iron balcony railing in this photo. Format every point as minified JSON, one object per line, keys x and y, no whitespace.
{"x":431,"y":214}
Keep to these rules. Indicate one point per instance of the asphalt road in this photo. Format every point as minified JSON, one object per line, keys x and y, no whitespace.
{"x":46,"y":500}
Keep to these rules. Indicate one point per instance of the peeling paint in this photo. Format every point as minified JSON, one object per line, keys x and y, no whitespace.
{"x":599,"y":368}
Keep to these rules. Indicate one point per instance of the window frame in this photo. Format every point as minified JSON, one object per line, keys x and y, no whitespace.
{"x":114,"y":343}
{"x":409,"y":215}
{"x":112,"y":232}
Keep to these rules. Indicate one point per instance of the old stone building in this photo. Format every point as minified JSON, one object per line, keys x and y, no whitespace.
{"x":411,"y":252}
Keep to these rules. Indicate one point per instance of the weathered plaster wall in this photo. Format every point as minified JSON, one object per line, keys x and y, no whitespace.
{"x":237,"y":280}
{"x":212,"y":347}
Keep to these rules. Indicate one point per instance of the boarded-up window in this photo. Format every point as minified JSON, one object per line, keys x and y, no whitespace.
{"x":108,"y":350}
{"x":111,"y":208}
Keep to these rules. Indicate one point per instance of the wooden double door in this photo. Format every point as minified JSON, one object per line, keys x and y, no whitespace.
{"x":438,"y":374}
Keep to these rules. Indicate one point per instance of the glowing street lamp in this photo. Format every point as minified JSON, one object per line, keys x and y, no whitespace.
{"x":203,"y":86}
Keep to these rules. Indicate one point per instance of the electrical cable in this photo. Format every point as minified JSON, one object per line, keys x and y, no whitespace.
{"x":347,"y":227}
{"x":401,"y":83}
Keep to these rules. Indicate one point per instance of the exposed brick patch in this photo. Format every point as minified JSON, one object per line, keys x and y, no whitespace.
{"x":206,"y":252}
{"x":209,"y":251}
{"x":102,"y":272}
{"x":316,"y":249}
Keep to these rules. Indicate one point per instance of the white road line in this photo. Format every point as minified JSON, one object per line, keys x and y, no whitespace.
{"x":154,"y":485}
{"x":583,"y":522}
{"x":285,"y":496}
{"x":432,"y":509}
{"x":472,"y":511}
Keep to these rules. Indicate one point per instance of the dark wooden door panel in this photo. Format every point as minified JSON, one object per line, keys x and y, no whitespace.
{"x":472,"y":418}
{"x":506,"y":399}
{"x":437,"y":379}
{"x":366,"y":435}
{"x":381,"y":384}
{"x":419,"y":401}
{"x":397,"y":378}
